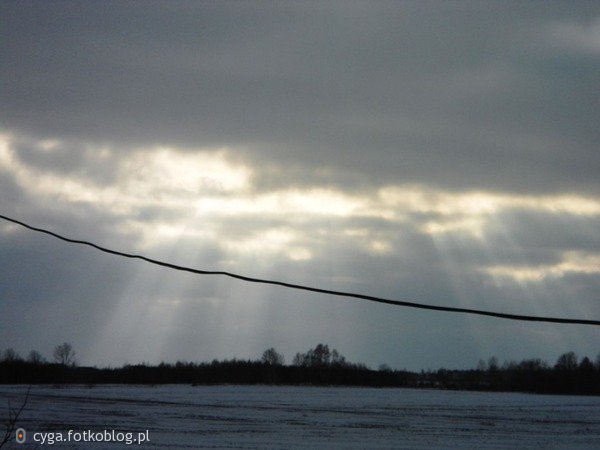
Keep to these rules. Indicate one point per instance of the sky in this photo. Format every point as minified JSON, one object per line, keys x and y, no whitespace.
{"x":436,"y":152}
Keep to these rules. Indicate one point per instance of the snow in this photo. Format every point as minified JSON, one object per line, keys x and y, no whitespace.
{"x":275,"y":417}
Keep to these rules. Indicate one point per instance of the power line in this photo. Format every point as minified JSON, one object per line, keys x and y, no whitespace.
{"x":309,"y":288}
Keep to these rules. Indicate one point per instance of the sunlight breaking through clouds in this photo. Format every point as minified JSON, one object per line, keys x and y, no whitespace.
{"x":167,"y":171}
{"x":571,"y":262}
{"x":169,"y":198}
{"x":271,"y":242}
{"x":433,"y":152}
{"x":427,"y":200}
{"x":159,"y":177}
{"x":194,"y":193}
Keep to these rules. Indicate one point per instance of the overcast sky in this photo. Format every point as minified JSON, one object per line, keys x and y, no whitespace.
{"x":437,"y":152}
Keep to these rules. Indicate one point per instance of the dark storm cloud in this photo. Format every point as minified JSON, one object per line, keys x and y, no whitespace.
{"x":464,"y":95}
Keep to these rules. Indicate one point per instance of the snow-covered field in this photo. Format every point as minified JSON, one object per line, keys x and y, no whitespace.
{"x":268,"y":417}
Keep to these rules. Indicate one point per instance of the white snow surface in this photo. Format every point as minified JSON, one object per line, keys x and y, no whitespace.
{"x":290,"y":417}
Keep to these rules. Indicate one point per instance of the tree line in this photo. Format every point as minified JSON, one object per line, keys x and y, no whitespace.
{"x":318,"y":366}
{"x":63,"y":354}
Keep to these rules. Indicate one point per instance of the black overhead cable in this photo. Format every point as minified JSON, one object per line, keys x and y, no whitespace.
{"x":309,"y":288}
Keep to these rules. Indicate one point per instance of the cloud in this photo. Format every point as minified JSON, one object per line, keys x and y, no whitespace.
{"x":452,"y":95}
{"x":577,"y":36}
{"x":444,"y":153}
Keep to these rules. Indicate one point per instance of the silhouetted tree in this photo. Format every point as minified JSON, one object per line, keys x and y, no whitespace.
{"x":298,"y":359}
{"x":321,"y":356}
{"x":10,"y":355}
{"x":493,"y":364}
{"x":566,"y":361}
{"x":272,"y":358}
{"x":586,"y":365}
{"x":64,"y":354}
{"x":35,"y":357}
{"x":532,"y":364}
{"x":337,"y":359}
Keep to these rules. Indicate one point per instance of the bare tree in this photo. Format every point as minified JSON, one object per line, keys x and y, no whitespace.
{"x":35,"y":357}
{"x":567,"y":361}
{"x":318,"y":357}
{"x":384,"y":368}
{"x":321,"y":356}
{"x":586,"y":365}
{"x":272,"y":358}
{"x":11,"y":420}
{"x":299,"y":359}
{"x":533,"y":364}
{"x":10,"y":355}
{"x":64,"y":354}
{"x":337,"y":359}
